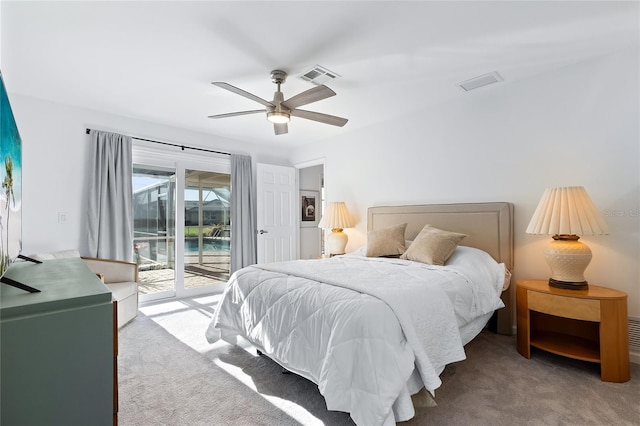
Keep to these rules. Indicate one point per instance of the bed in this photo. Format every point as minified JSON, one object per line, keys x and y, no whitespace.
{"x":373,"y":331}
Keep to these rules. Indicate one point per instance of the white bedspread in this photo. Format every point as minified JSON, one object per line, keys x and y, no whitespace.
{"x":356,"y":326}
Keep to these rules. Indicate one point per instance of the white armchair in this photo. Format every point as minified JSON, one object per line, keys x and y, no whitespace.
{"x":122,"y":279}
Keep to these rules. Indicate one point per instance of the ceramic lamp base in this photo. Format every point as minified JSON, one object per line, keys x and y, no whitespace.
{"x":336,"y":241}
{"x":567,"y":258}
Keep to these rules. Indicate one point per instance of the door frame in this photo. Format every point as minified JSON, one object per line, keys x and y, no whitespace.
{"x":303,"y":165}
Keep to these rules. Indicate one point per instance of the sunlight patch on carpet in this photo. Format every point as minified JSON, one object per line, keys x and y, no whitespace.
{"x":292,"y":409}
{"x":187,"y":320}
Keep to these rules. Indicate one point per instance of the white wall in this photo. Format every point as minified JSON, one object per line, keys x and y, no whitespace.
{"x":55,"y":157}
{"x":508,"y":142}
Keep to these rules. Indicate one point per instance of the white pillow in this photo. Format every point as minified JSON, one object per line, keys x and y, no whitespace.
{"x":480,"y":262}
{"x":361,"y":251}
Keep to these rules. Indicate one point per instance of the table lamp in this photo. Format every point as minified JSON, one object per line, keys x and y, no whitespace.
{"x":567,"y":213}
{"x":336,"y":217}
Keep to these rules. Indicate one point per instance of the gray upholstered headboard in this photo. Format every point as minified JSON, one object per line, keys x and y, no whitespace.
{"x":489,"y":227}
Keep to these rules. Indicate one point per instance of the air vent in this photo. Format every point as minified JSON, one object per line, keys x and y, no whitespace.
{"x":483,"y":80}
{"x":634,"y":333}
{"x":319,"y":75}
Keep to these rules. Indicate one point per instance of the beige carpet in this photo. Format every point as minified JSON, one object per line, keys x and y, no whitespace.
{"x":170,"y":375}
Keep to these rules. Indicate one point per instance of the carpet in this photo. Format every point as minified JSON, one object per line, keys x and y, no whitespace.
{"x":170,"y":375}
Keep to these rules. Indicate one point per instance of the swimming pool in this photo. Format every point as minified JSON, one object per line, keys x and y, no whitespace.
{"x":208,"y":244}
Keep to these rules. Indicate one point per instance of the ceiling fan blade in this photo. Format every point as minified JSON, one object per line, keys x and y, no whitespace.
{"x":241,"y":92}
{"x":322,"y":118}
{"x":235,"y":114}
{"x":280,"y":128}
{"x":314,"y":94}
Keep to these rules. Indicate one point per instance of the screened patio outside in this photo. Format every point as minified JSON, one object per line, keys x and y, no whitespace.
{"x":206,"y":228}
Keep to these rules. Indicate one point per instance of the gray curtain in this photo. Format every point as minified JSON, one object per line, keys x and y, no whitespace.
{"x":243,"y":213}
{"x":110,"y":198}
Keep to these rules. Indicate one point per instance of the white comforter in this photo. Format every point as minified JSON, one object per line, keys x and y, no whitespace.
{"x":357,"y":326}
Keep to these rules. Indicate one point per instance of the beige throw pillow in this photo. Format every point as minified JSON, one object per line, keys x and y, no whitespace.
{"x":433,"y":246}
{"x":386,"y":242}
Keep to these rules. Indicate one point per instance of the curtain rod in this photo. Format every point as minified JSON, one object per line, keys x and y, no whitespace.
{"x":183,"y":147}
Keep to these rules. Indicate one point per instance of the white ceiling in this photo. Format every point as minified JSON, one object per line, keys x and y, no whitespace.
{"x":155,"y":60}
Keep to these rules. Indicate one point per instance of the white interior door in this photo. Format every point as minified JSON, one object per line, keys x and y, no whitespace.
{"x":277,"y":205}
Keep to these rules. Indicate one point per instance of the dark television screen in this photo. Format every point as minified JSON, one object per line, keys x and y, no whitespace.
{"x":11,"y":180}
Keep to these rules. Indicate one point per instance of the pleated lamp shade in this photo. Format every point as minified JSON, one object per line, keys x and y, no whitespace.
{"x":567,"y":213}
{"x":336,"y":217}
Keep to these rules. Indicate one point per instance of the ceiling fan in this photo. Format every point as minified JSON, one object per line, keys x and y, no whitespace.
{"x":279,"y":111}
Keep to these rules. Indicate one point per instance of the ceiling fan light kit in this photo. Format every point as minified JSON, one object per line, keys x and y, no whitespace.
{"x":279,"y":111}
{"x":278,"y":117}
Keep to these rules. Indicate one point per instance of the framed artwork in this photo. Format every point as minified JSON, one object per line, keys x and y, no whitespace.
{"x":309,"y":212}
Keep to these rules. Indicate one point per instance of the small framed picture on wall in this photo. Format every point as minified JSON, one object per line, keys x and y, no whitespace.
{"x":309,"y":208}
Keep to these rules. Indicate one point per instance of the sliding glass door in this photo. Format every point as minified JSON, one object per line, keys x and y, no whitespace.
{"x":207,"y":228}
{"x":154,"y":228}
{"x":182,"y":224}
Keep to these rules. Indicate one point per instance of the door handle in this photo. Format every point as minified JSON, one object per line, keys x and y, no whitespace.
{"x":262,"y":231}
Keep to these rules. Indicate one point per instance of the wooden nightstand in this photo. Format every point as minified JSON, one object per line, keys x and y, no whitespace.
{"x":590,"y":325}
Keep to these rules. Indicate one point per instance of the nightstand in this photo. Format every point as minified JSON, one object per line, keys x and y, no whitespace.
{"x":590,"y":325}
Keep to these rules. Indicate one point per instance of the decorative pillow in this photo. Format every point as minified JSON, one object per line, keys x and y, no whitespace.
{"x":386,"y":242}
{"x":433,"y":246}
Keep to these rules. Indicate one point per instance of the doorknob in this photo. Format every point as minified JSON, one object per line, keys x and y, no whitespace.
{"x":262,"y":231}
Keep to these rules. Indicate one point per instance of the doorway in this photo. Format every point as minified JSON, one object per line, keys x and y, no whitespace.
{"x":311,"y":178}
{"x":182,"y":224}
{"x":154,"y":226}
{"x":207,"y":228}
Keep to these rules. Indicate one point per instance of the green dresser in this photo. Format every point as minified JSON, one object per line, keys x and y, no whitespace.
{"x":57,"y":347}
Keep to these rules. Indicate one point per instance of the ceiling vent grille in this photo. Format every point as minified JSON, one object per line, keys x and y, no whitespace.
{"x":483,"y":80}
{"x":318,"y":75}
